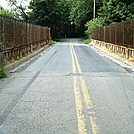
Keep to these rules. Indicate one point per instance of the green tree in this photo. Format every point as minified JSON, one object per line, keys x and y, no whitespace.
{"x":131,"y":11}
{"x":52,"y":13}
{"x":97,"y":22}
{"x":19,"y":8}
{"x":6,"y":12}
{"x":1,"y":8}
{"x":111,"y":11}
{"x":82,"y":12}
{"x":128,"y":2}
{"x":114,"y":11}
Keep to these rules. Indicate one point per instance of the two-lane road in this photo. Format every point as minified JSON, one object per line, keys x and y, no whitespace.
{"x":68,"y":90}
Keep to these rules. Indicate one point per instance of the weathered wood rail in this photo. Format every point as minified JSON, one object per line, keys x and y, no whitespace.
{"x":18,"y":39}
{"x":124,"y":52}
{"x":118,"y":38}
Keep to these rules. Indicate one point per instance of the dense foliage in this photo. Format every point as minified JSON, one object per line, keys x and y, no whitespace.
{"x":6,"y":12}
{"x":69,"y":17}
{"x":98,"y":22}
{"x":52,"y":13}
{"x":19,"y":8}
{"x":111,"y":11}
{"x":2,"y":73}
{"x":80,"y":13}
{"x":114,"y":11}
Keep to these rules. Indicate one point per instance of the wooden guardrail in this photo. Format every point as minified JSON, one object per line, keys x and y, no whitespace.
{"x":17,"y":38}
{"x":118,"y":37}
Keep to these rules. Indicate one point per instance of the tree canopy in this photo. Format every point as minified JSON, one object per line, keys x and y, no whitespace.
{"x":69,"y":17}
{"x":111,"y":11}
{"x":52,"y":13}
{"x":115,"y":11}
{"x":6,"y":12}
{"x":19,"y":8}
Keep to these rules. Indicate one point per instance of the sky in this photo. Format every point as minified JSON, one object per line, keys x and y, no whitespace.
{"x":4,"y":3}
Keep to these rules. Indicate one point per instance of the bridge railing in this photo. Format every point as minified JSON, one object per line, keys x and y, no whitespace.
{"x":118,"y":37}
{"x":18,"y":38}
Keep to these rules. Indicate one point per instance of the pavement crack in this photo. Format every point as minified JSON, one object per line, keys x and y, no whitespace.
{"x":74,"y":74}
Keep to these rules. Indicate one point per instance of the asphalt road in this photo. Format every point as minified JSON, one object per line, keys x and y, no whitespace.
{"x":68,"y":90}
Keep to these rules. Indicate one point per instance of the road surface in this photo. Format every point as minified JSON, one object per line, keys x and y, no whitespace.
{"x":68,"y":90}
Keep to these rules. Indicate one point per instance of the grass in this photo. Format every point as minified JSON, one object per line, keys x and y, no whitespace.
{"x":58,"y":39}
{"x":2,"y":73}
{"x":87,"y":41}
{"x":52,"y":42}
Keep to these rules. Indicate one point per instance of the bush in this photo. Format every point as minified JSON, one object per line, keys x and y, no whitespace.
{"x":87,"y":41}
{"x":98,"y":22}
{"x":52,"y":42}
{"x":2,"y":73}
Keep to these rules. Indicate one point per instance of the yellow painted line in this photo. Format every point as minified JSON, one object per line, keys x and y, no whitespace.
{"x":80,"y":115}
{"x":87,"y":99}
{"x":78,"y":102}
{"x":94,"y":126}
{"x":85,"y":93}
{"x":91,"y":113}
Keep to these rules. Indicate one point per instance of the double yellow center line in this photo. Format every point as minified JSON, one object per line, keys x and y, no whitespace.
{"x":79,"y":106}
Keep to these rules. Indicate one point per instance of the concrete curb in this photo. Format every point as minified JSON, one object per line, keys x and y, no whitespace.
{"x":15,"y":64}
{"x":114,"y":57}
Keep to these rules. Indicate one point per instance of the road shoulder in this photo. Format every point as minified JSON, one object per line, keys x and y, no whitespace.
{"x":128,"y":65}
{"x":12,"y":67}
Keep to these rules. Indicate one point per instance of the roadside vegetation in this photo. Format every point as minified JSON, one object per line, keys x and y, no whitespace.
{"x":71,"y":18}
{"x":6,"y":12}
{"x":109,"y":12}
{"x":2,"y":73}
{"x":52,"y":42}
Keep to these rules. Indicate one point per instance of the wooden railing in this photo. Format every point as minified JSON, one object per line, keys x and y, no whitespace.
{"x":18,"y":38}
{"x":118,"y":37}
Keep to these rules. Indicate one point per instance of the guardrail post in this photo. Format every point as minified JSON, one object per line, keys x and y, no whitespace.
{"x":127,"y":53}
{"x":1,"y":58}
{"x":114,"y":48}
{"x":20,"y":52}
{"x":31,"y":48}
{"x":132,"y":53}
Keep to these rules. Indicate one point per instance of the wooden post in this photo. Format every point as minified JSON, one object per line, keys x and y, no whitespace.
{"x":127,"y":53}
{"x":1,"y":58}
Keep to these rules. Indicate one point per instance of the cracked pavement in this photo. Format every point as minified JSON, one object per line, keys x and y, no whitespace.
{"x":40,"y":98}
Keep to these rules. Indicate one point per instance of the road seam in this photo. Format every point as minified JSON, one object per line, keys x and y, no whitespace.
{"x":15,"y":100}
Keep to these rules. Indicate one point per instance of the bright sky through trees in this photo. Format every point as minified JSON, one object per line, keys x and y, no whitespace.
{"x":4,"y":4}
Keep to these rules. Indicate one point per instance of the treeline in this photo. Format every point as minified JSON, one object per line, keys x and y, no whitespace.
{"x":111,"y":11}
{"x":72,"y":18}
{"x":6,"y":12}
